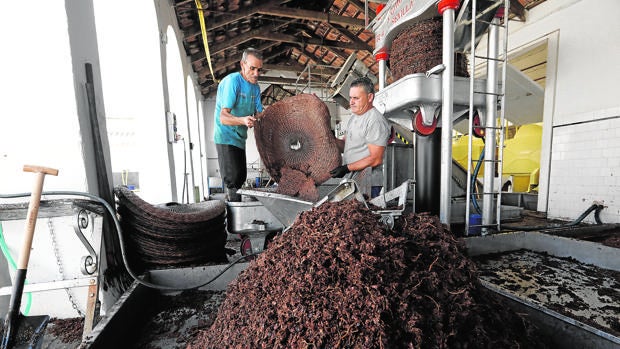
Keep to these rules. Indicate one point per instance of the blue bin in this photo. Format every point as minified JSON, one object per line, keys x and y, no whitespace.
{"x":375,"y":191}
{"x":474,"y":221}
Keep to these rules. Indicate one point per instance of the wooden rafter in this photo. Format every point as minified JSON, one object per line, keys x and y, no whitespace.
{"x":360,"y":6}
{"x":308,"y":41}
{"x":353,"y":38}
{"x":298,"y":68}
{"x":290,"y":81}
{"x":234,"y":60}
{"x":234,"y":17}
{"x":311,"y":15}
{"x":307,"y":34}
{"x":275,"y":53}
{"x":517,"y":10}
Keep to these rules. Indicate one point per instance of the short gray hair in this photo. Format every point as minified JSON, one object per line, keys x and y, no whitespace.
{"x":365,"y":82}
{"x":251,"y":52}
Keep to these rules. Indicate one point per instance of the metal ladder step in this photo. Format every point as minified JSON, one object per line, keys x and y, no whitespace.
{"x":490,"y":23}
{"x":491,"y":59}
{"x":497,"y":62}
{"x":492,"y":127}
{"x":489,"y":93}
{"x":484,"y":160}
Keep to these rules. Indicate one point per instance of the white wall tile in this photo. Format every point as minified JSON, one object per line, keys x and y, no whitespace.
{"x":585,"y":167}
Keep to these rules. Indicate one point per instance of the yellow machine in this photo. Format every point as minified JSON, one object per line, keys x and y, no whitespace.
{"x":521,"y":157}
{"x":459,"y":151}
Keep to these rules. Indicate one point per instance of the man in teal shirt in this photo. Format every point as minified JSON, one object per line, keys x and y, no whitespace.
{"x":236,"y":105}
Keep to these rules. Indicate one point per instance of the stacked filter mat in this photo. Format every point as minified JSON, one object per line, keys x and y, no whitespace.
{"x":171,"y":235}
{"x":296,"y":144}
{"x":418,"y":48}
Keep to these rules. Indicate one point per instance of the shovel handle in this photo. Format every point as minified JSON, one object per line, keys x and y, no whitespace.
{"x":33,"y":211}
{"x":41,"y":169}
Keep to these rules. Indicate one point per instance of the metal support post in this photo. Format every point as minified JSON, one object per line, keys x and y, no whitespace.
{"x":381,"y":57}
{"x":446,"y":8}
{"x":491,"y":126}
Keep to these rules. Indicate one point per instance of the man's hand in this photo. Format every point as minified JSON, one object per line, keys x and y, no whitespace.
{"x":339,"y":171}
{"x":250,"y":120}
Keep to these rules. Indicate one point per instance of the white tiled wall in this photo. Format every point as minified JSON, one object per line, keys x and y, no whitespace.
{"x":585,"y":167}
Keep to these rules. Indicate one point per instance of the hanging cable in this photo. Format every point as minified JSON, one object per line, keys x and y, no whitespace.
{"x":205,"y":42}
{"x":185,"y":190}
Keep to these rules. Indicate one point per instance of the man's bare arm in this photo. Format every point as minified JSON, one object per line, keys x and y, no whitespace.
{"x":374,"y":159}
{"x":226,"y":118}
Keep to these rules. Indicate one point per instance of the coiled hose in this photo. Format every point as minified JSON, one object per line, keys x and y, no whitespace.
{"x":597,"y":208}
{"x":122,"y":244}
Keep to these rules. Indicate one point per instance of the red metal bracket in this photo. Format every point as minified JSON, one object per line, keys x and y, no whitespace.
{"x":447,"y":4}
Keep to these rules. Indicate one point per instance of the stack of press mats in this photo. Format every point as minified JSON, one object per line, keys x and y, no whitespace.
{"x":171,"y":235}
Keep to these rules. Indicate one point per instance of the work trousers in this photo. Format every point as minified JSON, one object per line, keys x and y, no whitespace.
{"x":367,"y":179}
{"x":233,"y":165}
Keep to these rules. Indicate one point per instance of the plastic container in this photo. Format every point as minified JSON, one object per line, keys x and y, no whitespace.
{"x":475,"y":220}
{"x":375,"y":191}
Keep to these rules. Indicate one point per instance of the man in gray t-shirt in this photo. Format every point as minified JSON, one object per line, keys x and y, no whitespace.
{"x":367,"y":132}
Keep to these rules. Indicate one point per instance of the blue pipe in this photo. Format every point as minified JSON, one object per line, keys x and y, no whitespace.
{"x":474,"y":176}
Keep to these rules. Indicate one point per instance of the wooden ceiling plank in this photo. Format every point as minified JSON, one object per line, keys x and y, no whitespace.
{"x":517,"y":9}
{"x":275,"y":53}
{"x":288,"y":81}
{"x":311,"y":15}
{"x":298,"y":68}
{"x":236,"y":58}
{"x":360,"y":6}
{"x":183,"y":3}
{"x":240,"y":39}
{"x":236,"y":41}
{"x":232,"y":17}
{"x":330,"y":51}
{"x":340,"y":50}
{"x":233,"y":63}
{"x":305,"y":41}
{"x":352,"y":37}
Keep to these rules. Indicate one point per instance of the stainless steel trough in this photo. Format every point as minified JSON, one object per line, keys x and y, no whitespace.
{"x":285,"y":208}
{"x":570,"y":258}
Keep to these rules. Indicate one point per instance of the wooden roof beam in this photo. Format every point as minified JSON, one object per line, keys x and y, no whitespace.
{"x":299,"y":69}
{"x":233,"y":60}
{"x":289,"y":81}
{"x":234,"y":17}
{"x":236,"y":41}
{"x":517,"y":9}
{"x":202,"y":76}
{"x":308,"y":41}
{"x":311,"y":15}
{"x":360,"y":6}
{"x":353,"y":38}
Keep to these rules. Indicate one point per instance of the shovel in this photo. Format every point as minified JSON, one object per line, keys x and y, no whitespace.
{"x":21,"y":331}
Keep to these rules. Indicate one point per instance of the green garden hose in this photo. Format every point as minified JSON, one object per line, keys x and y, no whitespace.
{"x":13,"y":265}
